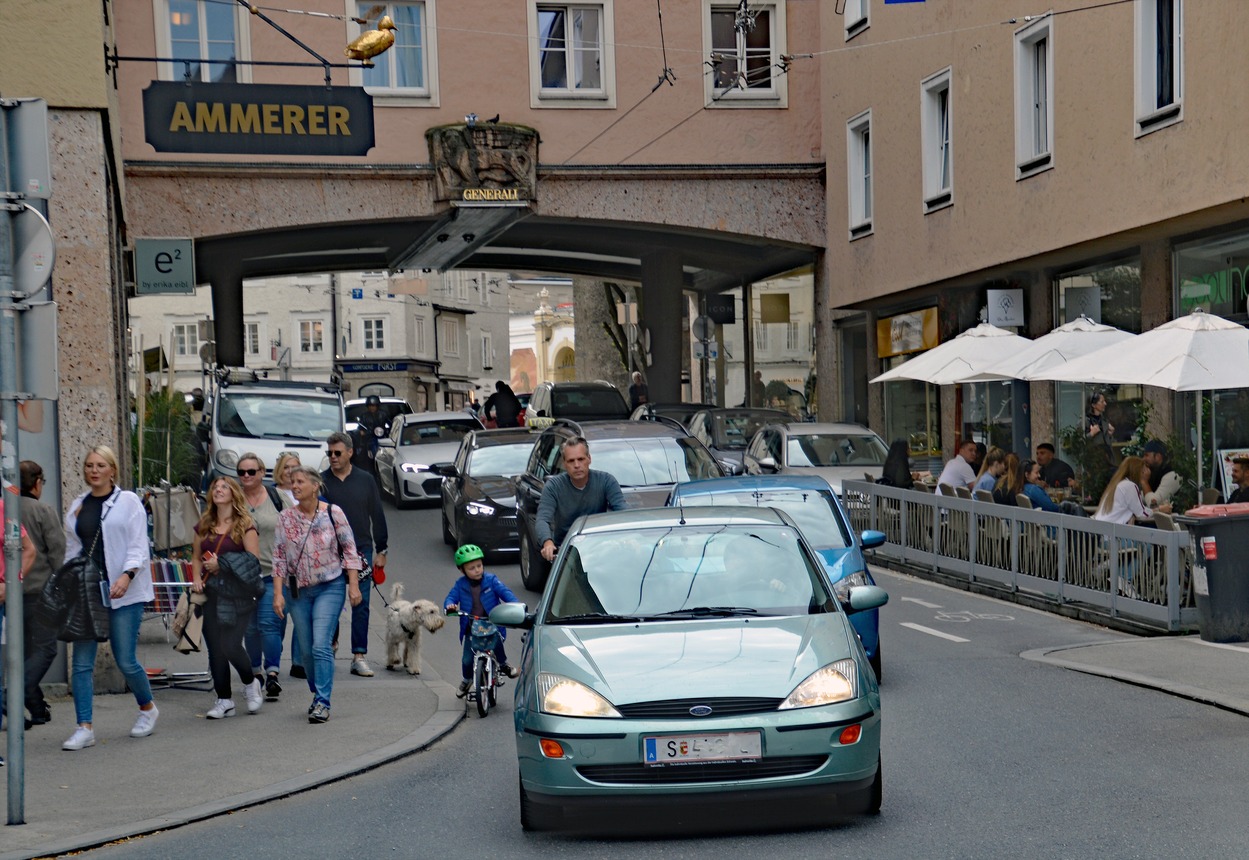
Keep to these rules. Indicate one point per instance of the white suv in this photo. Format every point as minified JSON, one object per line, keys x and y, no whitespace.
{"x":267,"y":417}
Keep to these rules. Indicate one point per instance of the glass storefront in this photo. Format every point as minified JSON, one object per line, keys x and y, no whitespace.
{"x":988,"y":414}
{"x":913,"y":413}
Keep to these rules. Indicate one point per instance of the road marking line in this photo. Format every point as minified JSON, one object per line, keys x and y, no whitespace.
{"x":938,"y":633}
{"x":923,"y":603}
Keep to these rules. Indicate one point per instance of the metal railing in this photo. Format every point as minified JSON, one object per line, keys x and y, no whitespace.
{"x":1140,"y":573}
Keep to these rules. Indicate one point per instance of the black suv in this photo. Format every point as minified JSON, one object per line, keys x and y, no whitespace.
{"x":580,"y":401}
{"x":646,"y":457}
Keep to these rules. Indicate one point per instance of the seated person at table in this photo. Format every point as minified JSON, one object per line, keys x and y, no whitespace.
{"x":1033,"y":489}
{"x":958,"y":471}
{"x":1124,"y":499}
{"x":993,"y":467}
{"x":1011,"y":483}
{"x":1240,"y":477}
{"x":1164,"y":481}
{"x":897,"y":469}
{"x":1054,"y":472}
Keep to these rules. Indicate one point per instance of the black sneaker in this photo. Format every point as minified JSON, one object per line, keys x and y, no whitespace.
{"x":273,"y":689}
{"x":298,"y":672}
{"x":462,"y":691}
{"x":40,"y":714}
{"x":510,"y":671}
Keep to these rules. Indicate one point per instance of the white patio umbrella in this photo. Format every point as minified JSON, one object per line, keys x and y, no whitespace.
{"x":1065,"y":343}
{"x":960,"y":359}
{"x":1196,"y":352}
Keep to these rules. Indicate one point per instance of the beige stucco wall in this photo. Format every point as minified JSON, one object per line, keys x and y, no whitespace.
{"x":1104,"y":181}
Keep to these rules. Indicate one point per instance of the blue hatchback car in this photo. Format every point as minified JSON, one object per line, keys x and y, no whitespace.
{"x":816,"y":509}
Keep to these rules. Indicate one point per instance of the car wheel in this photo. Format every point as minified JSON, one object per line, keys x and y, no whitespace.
{"x":447,"y":537}
{"x":875,"y":661}
{"x":532,"y":564}
{"x":531,"y":819}
{"x":875,"y":796}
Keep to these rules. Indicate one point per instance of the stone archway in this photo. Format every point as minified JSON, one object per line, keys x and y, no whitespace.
{"x":565,"y":365}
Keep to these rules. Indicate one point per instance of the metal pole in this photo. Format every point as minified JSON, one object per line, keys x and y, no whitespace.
{"x":16,"y":696}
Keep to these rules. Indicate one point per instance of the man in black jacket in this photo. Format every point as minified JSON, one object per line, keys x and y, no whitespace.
{"x":503,"y":405}
{"x":355,"y":491}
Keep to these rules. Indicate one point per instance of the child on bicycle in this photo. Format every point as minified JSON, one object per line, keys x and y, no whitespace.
{"x":473,"y":595}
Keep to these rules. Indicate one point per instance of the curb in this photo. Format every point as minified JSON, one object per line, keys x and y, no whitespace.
{"x":1183,"y":691}
{"x":451,"y":711}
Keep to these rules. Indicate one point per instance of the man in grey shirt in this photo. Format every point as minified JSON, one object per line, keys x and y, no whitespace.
{"x":577,"y":491}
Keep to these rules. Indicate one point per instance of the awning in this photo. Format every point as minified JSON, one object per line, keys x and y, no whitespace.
{"x":456,"y":385}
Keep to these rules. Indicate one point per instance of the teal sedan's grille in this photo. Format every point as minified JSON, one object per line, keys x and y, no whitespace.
{"x":680,"y":708}
{"x":764,"y":768}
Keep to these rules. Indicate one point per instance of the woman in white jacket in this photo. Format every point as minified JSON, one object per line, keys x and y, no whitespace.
{"x":117,"y":517}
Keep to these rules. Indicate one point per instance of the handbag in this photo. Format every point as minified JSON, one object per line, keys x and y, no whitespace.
{"x":188,"y":622}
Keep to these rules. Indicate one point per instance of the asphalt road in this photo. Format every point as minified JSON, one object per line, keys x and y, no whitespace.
{"x":985,"y":755}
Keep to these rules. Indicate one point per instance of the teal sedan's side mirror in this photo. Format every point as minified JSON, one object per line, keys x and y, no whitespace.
{"x":862,"y":597}
{"x":512,"y":615}
{"x":871,"y":539}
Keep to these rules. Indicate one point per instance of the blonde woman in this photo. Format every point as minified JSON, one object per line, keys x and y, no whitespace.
{"x":226,"y":526}
{"x":1123,"y":502}
{"x":287,"y":461}
{"x":110,"y":525}
{"x":315,"y":569}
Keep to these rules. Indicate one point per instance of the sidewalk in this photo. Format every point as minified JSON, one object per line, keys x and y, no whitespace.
{"x":1184,"y":666}
{"x":193,"y":768}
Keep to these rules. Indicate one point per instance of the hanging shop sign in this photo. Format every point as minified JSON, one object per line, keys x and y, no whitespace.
{"x":257,"y":119}
{"x":898,"y":335}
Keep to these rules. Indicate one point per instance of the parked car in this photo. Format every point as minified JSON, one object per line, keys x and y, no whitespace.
{"x":700,"y":655}
{"x":681,"y":412}
{"x":581,"y":401}
{"x":415,"y":442}
{"x":267,"y":417}
{"x":835,"y":452}
{"x":815,"y":508}
{"x":478,"y":490}
{"x":646,"y":457}
{"x":727,"y":432}
{"x":391,"y":408}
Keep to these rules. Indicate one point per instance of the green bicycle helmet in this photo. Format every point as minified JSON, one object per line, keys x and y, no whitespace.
{"x":468,"y":552}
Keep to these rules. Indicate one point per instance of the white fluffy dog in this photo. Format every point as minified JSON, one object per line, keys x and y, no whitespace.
{"x":404,"y":621}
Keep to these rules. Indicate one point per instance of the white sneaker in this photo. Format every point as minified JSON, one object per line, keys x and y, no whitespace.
{"x":145,"y":723}
{"x":82,"y":737}
{"x":361,"y":667}
{"x":255,"y":694}
{"x":221,"y":709}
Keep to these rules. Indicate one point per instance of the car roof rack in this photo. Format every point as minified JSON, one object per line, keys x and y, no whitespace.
{"x":244,"y":376}
{"x":663,"y":419}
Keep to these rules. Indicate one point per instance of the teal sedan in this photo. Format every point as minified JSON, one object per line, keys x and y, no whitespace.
{"x":699,"y":653}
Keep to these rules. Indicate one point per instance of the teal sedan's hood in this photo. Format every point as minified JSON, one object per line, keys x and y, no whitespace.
{"x":649,"y":661}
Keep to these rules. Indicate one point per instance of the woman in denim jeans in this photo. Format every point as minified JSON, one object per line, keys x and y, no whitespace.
{"x":117,"y":517}
{"x":313,"y":549}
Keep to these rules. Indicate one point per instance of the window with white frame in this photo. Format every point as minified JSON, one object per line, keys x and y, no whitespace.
{"x":311,"y":336}
{"x":745,"y":48}
{"x":934,"y":117}
{"x":208,"y":35}
{"x":761,"y":336}
{"x":795,"y":337}
{"x":251,"y":339}
{"x":374,"y":333}
{"x":571,"y":57}
{"x":1034,"y":98}
{"x":185,"y":339}
{"x":1159,"y":64}
{"x":487,"y":351}
{"x":859,"y":173}
{"x":408,"y":68}
{"x":418,"y":332}
{"x":857,"y":17}
{"x":450,"y":334}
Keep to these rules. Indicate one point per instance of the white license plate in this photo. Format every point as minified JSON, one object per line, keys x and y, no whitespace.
{"x":679,"y":749}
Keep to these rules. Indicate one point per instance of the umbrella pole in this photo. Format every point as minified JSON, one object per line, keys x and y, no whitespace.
{"x":1200,"y":457}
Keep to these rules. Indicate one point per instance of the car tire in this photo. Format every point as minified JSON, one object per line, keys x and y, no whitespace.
{"x":531,"y":820}
{"x":875,"y":794}
{"x":447,"y":537}
{"x":875,"y":661}
{"x":533,"y":567}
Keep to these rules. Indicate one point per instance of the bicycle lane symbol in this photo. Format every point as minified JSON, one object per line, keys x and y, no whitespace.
{"x":967,"y":615}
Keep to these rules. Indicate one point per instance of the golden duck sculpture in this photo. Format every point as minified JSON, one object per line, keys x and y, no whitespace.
{"x":372,"y":42}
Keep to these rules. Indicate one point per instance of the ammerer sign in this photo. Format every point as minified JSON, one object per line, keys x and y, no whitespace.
{"x":257,"y":119}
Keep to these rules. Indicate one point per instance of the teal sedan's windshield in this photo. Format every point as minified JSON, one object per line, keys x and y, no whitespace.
{"x":812,"y":510}
{"x":687,"y":572}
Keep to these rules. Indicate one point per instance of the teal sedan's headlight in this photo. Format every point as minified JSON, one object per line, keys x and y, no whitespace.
{"x":836,"y":682}
{"x":568,"y":698}
{"x":477,"y":509}
{"x":842,"y":587}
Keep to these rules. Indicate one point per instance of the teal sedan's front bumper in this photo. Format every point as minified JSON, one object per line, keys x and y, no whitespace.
{"x":603,"y":759}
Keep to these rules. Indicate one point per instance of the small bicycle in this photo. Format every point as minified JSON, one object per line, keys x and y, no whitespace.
{"x":486,"y":677}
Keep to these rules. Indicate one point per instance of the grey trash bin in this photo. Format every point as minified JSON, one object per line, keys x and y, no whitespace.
{"x":1219,"y":536}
